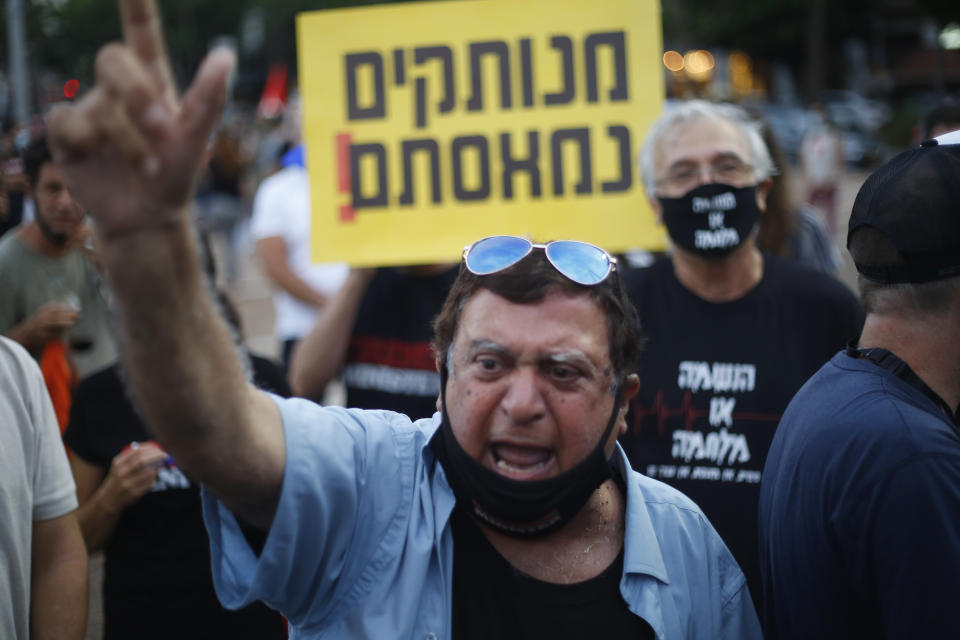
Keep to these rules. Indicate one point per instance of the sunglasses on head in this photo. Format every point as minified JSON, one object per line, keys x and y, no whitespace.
{"x":578,"y":261}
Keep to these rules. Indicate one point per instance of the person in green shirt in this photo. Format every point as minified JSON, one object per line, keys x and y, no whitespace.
{"x":51,"y":287}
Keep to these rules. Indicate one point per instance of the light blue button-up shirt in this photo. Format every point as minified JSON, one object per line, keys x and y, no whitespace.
{"x":361,"y":544}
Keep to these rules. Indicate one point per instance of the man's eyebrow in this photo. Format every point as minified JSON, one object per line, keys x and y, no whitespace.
{"x":571,"y":357}
{"x":729,"y":155}
{"x":682,"y":162}
{"x":723,"y":155}
{"x":487,"y":345}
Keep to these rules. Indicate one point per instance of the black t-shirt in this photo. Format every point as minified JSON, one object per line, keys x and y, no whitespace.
{"x":715,"y":379}
{"x":157,"y":577}
{"x":491,"y":599}
{"x":389,"y":363}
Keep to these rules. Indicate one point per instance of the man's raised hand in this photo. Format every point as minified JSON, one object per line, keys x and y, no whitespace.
{"x":131,"y":151}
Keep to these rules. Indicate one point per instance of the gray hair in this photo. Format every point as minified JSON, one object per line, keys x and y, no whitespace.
{"x":690,"y":110}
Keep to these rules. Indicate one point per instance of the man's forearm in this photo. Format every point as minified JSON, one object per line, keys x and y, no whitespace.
{"x":97,"y":519}
{"x":319,"y":356}
{"x":42,"y":326}
{"x":273,"y":254}
{"x":297,"y":287}
{"x":58,"y":584}
{"x":21,"y":333}
{"x":180,"y":361}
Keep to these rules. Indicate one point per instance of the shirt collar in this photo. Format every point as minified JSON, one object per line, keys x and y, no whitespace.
{"x":641,"y":546}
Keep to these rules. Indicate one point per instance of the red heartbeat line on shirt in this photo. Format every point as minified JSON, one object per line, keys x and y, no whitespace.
{"x":663,"y":412}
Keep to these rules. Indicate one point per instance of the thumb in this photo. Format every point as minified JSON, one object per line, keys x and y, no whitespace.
{"x":204,"y":100}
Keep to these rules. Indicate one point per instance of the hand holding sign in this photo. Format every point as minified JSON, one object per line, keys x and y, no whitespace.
{"x":130,"y":149}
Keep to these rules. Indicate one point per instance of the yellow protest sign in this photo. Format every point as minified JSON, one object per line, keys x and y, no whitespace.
{"x":429,"y":125}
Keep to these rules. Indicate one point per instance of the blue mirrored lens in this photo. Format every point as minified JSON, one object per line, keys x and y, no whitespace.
{"x":581,"y":262}
{"x":496,"y":253}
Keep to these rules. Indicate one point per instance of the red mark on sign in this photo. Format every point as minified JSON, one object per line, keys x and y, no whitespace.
{"x":347,"y":213}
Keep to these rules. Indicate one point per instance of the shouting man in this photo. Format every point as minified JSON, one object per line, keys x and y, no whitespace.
{"x":482,"y":521}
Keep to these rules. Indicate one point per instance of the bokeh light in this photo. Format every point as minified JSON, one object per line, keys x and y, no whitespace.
{"x":673,"y":61}
{"x":950,"y":36}
{"x":70,"y":88}
{"x":698,"y":64}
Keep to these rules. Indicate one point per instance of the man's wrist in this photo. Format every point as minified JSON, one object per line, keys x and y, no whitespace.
{"x":120,"y":249}
{"x":26,"y":337}
{"x":110,"y":498}
{"x":122,"y":236}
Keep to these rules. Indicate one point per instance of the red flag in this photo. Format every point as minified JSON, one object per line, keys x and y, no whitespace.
{"x":274,"y":96}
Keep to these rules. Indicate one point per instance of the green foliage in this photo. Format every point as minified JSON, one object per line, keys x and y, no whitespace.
{"x":64,"y":35}
{"x":943,"y":11}
{"x":766,"y":29}
{"x":66,"y":38}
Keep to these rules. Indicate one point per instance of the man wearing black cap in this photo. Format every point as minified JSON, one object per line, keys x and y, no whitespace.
{"x":860,"y":499}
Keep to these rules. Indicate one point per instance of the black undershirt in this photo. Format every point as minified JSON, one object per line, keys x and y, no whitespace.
{"x":492,"y":600}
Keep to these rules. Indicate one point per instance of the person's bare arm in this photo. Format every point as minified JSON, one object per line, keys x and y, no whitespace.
{"x":318,"y":357}
{"x":58,"y":580}
{"x":132,"y":154}
{"x":45,"y":324}
{"x":273,"y":254}
{"x":103,"y":495}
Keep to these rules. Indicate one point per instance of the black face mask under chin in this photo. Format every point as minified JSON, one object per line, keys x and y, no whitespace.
{"x":711,"y":220}
{"x":524,"y":509}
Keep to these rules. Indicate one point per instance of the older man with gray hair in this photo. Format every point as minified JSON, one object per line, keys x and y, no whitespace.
{"x":732,"y":332}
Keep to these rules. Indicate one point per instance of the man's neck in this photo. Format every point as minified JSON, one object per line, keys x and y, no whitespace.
{"x":581,"y":550}
{"x":33,"y":237}
{"x":929,"y":345}
{"x":723,"y":280}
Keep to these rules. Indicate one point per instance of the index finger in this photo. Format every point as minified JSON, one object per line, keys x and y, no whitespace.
{"x":143,"y":33}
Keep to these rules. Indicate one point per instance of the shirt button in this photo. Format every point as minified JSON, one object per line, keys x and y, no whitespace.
{"x":431,"y":636}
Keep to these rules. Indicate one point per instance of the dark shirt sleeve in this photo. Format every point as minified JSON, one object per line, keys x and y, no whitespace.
{"x":77,"y":435}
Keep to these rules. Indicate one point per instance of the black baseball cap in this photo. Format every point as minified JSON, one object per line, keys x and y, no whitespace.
{"x":914,"y":202}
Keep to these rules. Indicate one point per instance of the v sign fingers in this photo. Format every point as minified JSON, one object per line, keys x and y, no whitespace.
{"x":122,"y":76}
{"x":143,"y":33}
{"x":130,"y":151}
{"x":205,"y":98}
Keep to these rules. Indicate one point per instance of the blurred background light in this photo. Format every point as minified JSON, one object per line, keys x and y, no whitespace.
{"x":950,"y":36}
{"x":673,"y":61}
{"x":698,"y":64}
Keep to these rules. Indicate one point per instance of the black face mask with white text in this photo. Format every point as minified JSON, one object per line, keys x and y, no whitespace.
{"x":711,"y":220}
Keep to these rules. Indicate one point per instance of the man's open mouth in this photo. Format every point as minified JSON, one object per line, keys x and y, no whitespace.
{"x":518,"y":460}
